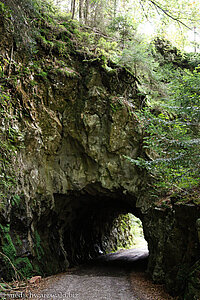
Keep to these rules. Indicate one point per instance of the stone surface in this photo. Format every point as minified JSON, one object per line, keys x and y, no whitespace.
{"x":72,"y":175}
{"x":173,"y":241}
{"x":73,"y":178}
{"x":193,"y":282}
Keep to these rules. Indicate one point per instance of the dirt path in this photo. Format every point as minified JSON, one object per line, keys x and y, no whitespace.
{"x":106,"y":278}
{"x":117,"y":276}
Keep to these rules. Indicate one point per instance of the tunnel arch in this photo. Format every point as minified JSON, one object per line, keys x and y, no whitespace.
{"x":80,"y":224}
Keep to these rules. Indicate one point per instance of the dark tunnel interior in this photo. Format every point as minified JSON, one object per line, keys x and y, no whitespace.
{"x":82,"y":226}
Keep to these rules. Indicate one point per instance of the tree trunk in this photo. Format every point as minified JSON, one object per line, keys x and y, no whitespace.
{"x":86,"y":11}
{"x":115,"y":8}
{"x":80,"y":10}
{"x":73,"y":6}
{"x":98,"y":13}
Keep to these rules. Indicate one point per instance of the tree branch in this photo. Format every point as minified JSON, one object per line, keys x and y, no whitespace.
{"x":168,"y":14}
{"x":146,"y":16}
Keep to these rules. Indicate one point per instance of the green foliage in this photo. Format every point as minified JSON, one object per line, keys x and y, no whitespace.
{"x":137,"y":57}
{"x":171,"y":134}
{"x":26,"y":18}
{"x":117,"y":103}
{"x":42,"y":74}
{"x":107,"y":49}
{"x":45,"y":43}
{"x":17,"y":265}
{"x":10,"y":142}
{"x":186,"y":92}
{"x":16,"y":200}
{"x":24,"y":266}
{"x":124,"y":27}
{"x":4,"y":10}
{"x":38,"y":248}
{"x":129,"y":232}
{"x":97,"y":47}
{"x":61,"y":48}
{"x":7,"y":244}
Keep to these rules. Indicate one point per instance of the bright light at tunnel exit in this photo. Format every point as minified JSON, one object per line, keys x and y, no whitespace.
{"x":128,"y":231}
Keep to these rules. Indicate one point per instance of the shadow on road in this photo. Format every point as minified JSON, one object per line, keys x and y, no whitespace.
{"x":105,"y":278}
{"x":131,"y":259}
{"x":117,"y":264}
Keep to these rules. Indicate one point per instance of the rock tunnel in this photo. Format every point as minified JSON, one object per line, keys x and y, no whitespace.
{"x":77,"y":179}
{"x":74,"y":179}
{"x":84,"y":225}
{"x":73,"y":175}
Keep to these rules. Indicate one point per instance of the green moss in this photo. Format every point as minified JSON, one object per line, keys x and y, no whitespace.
{"x":46,"y":43}
{"x":4,"y":10}
{"x":115,"y":106}
{"x":8,"y":247}
{"x":33,"y":83}
{"x":37,"y":269}
{"x":38,"y":248}
{"x":18,"y":240}
{"x":2,"y":7}
{"x":16,"y":200}
{"x":61,"y":48}
{"x":71,"y":25}
{"x":42,"y":74}
{"x":23,"y":264}
{"x":129,"y":232}
{"x":109,"y":70}
{"x":10,"y":143}
{"x":70,"y":73}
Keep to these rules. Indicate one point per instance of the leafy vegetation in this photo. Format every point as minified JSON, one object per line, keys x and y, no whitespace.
{"x":171,"y":131}
{"x":164,"y":18}
{"x":10,"y":142}
{"x":19,"y":267}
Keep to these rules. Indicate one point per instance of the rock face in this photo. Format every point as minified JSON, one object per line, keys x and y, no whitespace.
{"x":173,"y":242}
{"x":72,"y":176}
{"x":75,"y":176}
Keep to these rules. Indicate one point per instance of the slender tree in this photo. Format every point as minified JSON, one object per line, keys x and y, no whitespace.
{"x":80,"y":10}
{"x":73,"y":7}
{"x":86,"y":11}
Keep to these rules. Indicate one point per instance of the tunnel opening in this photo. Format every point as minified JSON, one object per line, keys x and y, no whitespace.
{"x":82,"y":226}
{"x":129,"y":233}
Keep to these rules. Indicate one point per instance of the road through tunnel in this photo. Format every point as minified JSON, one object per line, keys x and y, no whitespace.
{"x":83,"y":226}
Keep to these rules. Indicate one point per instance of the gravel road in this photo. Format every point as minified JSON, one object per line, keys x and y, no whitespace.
{"x":116,"y":276}
{"x":106,"y":278}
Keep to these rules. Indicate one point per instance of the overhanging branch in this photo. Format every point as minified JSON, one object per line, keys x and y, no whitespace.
{"x":168,"y":14}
